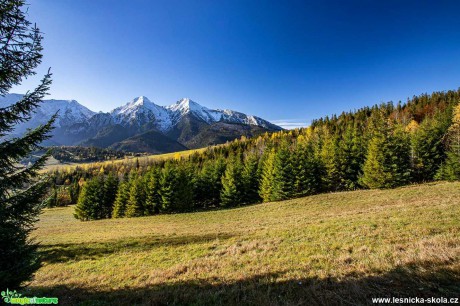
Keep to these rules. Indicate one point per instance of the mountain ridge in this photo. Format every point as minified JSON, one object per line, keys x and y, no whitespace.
{"x":184,"y":122}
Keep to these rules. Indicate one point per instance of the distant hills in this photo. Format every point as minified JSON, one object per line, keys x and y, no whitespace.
{"x":141,"y":125}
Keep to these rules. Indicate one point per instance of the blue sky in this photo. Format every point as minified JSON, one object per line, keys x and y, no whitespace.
{"x":291,"y":61}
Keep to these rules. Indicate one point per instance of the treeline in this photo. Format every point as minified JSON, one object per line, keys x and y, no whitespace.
{"x":384,"y":146}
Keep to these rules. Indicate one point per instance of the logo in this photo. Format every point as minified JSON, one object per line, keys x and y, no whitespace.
{"x":12,"y":297}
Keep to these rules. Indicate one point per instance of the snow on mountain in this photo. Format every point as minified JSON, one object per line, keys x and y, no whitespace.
{"x":141,"y":111}
{"x":186,"y":106}
{"x":70,"y":112}
{"x":140,"y":114}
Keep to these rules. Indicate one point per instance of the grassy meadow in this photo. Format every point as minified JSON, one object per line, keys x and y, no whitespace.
{"x":330,"y":249}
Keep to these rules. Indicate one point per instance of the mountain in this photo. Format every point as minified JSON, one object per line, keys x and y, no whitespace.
{"x":71,"y":113}
{"x":142,"y":126}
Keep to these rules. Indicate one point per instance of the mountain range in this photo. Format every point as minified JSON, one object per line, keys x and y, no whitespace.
{"x":141,"y":125}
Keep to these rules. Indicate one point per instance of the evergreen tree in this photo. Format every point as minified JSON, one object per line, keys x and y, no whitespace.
{"x":250,"y":180}
{"x":183,"y":188}
{"x":121,"y":200}
{"x":450,"y":170}
{"x":90,"y":205}
{"x":306,"y":169}
{"x":74,"y":191}
{"x":231,"y":192}
{"x":267,"y":177}
{"x":282,"y":184}
{"x":109,"y":195}
{"x":350,"y":158}
{"x":167,"y":184}
{"x":21,"y":190}
{"x":388,"y":159}
{"x":153,"y":199}
{"x":428,"y":148}
{"x":52,"y":200}
{"x":137,"y":196}
{"x":332,"y":177}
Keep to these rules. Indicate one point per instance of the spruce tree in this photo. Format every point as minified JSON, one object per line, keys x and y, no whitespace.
{"x":250,"y":180}
{"x":231,"y":192}
{"x":135,"y":204}
{"x":21,"y":189}
{"x":152,"y":195}
{"x":267,"y":177}
{"x":168,"y":179}
{"x":183,"y":188}
{"x":428,"y":147}
{"x":109,"y":194}
{"x":283,"y":174}
{"x":329,"y":156}
{"x":306,"y":169}
{"x":388,"y":158}
{"x":350,"y":158}
{"x":121,"y":199}
{"x":450,"y":170}
{"x":90,"y":205}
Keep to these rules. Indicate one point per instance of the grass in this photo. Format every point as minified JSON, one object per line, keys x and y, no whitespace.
{"x":330,"y":249}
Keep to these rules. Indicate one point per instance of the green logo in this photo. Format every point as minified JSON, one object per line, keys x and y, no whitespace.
{"x":12,"y":297}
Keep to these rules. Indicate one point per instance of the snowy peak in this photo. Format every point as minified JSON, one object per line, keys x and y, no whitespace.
{"x":141,"y":111}
{"x":70,"y":111}
{"x":185,"y":105}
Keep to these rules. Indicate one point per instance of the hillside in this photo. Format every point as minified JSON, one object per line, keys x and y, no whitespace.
{"x":329,"y":249}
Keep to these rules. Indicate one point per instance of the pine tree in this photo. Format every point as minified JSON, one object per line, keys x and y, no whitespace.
{"x":183,"y":188}
{"x":21,"y":190}
{"x":167,"y":184}
{"x":109,"y":194}
{"x":121,"y":200}
{"x":250,"y":180}
{"x":90,"y":205}
{"x":231,"y":192}
{"x":266,"y":183}
{"x":283,"y":174}
{"x":350,"y":158}
{"x":74,"y":192}
{"x":135,"y":204}
{"x":428,"y":147}
{"x":388,"y":159}
{"x":306,"y":169}
{"x":450,"y":170}
{"x":153,"y":199}
{"x":332,"y":177}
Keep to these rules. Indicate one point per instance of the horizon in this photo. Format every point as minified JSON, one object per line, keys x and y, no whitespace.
{"x":286,"y":63}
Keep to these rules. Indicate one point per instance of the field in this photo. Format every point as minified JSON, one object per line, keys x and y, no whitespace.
{"x":53,"y":164}
{"x":330,"y":249}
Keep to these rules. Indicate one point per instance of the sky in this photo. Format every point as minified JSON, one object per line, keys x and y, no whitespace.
{"x":285,"y":61}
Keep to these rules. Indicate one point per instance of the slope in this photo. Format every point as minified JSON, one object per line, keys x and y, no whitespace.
{"x":151,"y":142}
{"x":329,"y":249}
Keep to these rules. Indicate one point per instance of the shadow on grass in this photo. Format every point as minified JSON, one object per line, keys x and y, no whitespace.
{"x":56,"y":253}
{"x":422,"y":279}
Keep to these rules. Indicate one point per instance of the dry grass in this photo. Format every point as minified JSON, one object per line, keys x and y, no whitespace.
{"x":339,"y":248}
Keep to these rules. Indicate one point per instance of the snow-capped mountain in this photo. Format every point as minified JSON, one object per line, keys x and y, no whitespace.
{"x":184,"y":123}
{"x":141,"y":109}
{"x":70,"y":112}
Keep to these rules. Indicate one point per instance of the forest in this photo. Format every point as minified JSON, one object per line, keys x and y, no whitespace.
{"x":383,"y":146}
